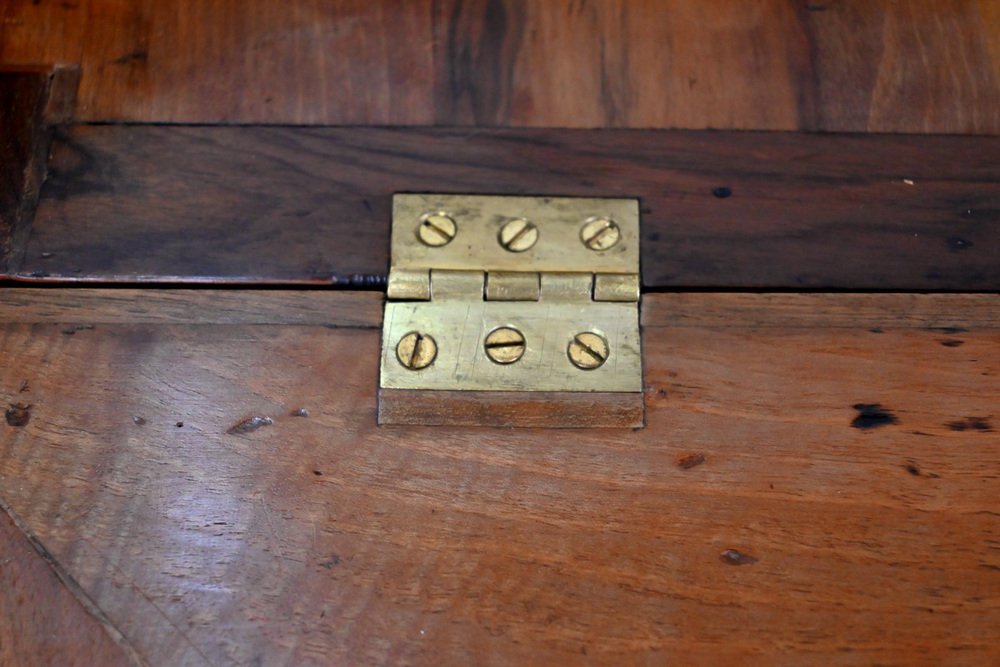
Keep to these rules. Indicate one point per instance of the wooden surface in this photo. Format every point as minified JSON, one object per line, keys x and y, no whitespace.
{"x":43,"y":622}
{"x":553,"y":409}
{"x":802,"y":493}
{"x":31,"y":99}
{"x":847,"y":65}
{"x":718,"y":209}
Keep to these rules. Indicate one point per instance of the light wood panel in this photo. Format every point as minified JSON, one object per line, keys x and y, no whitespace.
{"x":729,"y":209}
{"x":801,"y":493}
{"x":850,"y":65}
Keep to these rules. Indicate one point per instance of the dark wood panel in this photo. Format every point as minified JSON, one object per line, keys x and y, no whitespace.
{"x":839,"y":65}
{"x":800,"y":494}
{"x":43,"y":623}
{"x":718,"y":209}
{"x":31,"y":99}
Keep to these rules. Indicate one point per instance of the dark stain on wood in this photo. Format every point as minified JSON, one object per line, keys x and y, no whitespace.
{"x":689,"y":461}
{"x":951,"y":342}
{"x":330,"y":563}
{"x":970,"y":424}
{"x":915,"y":470}
{"x":129,"y":58}
{"x":70,"y":331}
{"x":18,"y":414}
{"x":872,"y":415}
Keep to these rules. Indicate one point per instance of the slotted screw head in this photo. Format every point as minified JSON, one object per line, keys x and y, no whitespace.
{"x":588,"y":350}
{"x":504,"y":345}
{"x":436,"y":229}
{"x":600,"y":233}
{"x":518,"y":235}
{"x":416,"y":350}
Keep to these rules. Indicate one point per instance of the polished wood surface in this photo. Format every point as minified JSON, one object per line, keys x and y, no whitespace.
{"x":44,"y":623}
{"x":849,"y":65}
{"x":729,"y":209}
{"x":544,"y":409}
{"x":805,"y":491}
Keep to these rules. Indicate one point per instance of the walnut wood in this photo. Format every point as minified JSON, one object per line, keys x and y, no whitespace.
{"x":553,"y":409}
{"x":933,"y":312}
{"x":802,"y":494}
{"x":772,"y":64}
{"x":719,"y":209}
{"x":31,"y":99}
{"x":43,"y":623}
{"x":194,"y":306}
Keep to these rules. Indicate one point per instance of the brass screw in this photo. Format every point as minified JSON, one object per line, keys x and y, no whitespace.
{"x":504,"y":345}
{"x":600,"y":233}
{"x":416,"y":351}
{"x":436,"y":229}
{"x":518,"y":235}
{"x":588,"y":350}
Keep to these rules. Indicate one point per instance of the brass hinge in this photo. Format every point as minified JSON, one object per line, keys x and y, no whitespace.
{"x":513,"y":294}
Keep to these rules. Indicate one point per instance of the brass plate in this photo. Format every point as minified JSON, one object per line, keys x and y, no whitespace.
{"x":479,"y":219}
{"x":460,"y":328}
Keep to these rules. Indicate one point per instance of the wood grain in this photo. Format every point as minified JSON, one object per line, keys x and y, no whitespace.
{"x":718,"y":209}
{"x":43,"y":623}
{"x":553,"y":409}
{"x":31,"y":99}
{"x":801,"y":494}
{"x":850,"y":65}
{"x":192,"y":306}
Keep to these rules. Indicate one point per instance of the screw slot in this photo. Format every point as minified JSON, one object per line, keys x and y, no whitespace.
{"x":504,"y":345}
{"x":416,"y":351}
{"x":588,"y":350}
{"x":518,"y":235}
{"x":436,"y":229}
{"x":600,"y":233}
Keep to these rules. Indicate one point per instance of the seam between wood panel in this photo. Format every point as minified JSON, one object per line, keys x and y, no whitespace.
{"x":75,"y":589}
